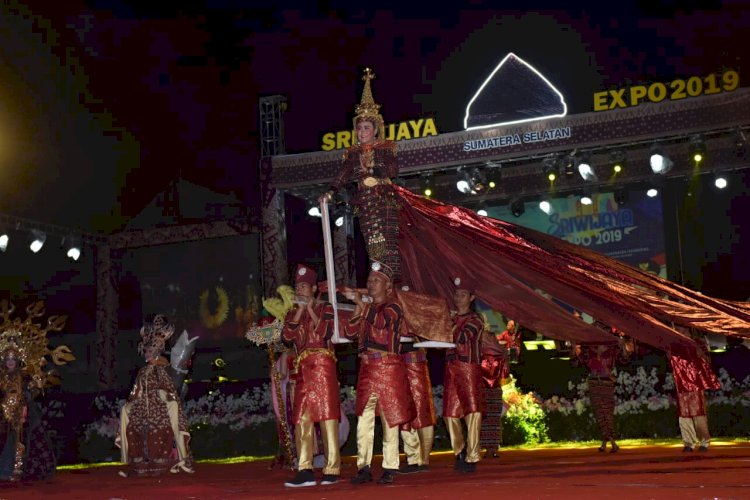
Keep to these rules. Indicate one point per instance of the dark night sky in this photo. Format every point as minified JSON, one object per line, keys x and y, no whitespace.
{"x":162,"y":91}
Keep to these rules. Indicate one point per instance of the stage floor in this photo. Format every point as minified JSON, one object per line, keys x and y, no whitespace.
{"x":661,"y":472}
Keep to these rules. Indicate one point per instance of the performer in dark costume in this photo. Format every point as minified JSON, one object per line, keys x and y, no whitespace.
{"x":27,"y":451}
{"x":494,"y":372}
{"x":600,"y":361}
{"x":372,"y":164}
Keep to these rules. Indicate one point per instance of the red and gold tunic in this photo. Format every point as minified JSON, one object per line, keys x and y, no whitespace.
{"x":692,"y":375}
{"x":463,"y":392}
{"x":382,"y":372}
{"x":420,"y":386}
{"x":494,"y":361}
{"x":372,"y":166}
{"x":317,"y":387}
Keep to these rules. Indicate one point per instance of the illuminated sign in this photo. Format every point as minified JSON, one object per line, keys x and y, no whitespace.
{"x":515,"y":139}
{"x":674,"y":91}
{"x":515,"y":92}
{"x":411,"y":129}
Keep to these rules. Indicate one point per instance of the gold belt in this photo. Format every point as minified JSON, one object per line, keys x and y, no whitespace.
{"x":310,"y":352}
{"x":374,"y":181}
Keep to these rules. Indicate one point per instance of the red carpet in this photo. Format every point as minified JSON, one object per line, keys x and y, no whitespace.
{"x":661,"y":472}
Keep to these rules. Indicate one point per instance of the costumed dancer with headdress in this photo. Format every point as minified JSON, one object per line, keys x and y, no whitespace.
{"x":463,"y":396}
{"x":27,"y":451}
{"x":600,"y":360}
{"x":372,"y":163}
{"x":152,"y":420}
{"x":309,"y":327}
{"x":494,"y":373}
{"x":693,"y":375}
{"x":382,"y":382}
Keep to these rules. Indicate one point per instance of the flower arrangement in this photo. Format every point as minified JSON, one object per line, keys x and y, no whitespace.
{"x":223,"y":425}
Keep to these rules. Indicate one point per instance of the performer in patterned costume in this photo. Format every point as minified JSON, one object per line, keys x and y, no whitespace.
{"x":152,"y":420}
{"x":692,"y":376}
{"x":316,"y":393}
{"x":382,"y":382}
{"x":372,"y":163}
{"x":600,"y":361}
{"x":494,"y":371}
{"x":26,"y":451}
{"x":463,"y":396}
{"x":419,"y":434}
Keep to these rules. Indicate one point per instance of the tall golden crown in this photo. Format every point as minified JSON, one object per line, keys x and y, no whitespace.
{"x":367,"y":108}
{"x":27,"y":341}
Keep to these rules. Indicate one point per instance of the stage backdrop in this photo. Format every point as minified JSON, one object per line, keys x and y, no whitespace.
{"x":630,"y":231}
{"x":211,"y":287}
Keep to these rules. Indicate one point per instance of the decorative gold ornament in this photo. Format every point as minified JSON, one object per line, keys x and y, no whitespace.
{"x":218,"y":317}
{"x":27,"y":341}
{"x":367,"y":109}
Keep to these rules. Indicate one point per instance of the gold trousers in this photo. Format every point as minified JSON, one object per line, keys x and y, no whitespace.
{"x":418,"y":445}
{"x":694,"y":430}
{"x":366,"y":437}
{"x":304,"y":438}
{"x":455,"y":429}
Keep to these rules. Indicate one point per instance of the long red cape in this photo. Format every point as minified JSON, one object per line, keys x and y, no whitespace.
{"x":528,"y":275}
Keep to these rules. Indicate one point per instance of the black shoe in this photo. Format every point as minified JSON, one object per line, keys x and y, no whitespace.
{"x":409,"y":469}
{"x":424,"y":468}
{"x":302,"y":479}
{"x":329,"y":479}
{"x":460,"y":461}
{"x":703,"y":447}
{"x":687,"y":449}
{"x":469,"y":467}
{"x":363,"y":475}
{"x":603,"y":448}
{"x":615,"y":448}
{"x":387,"y":477}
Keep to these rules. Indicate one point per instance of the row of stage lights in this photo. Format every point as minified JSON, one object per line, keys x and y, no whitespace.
{"x":479,"y":180}
{"x":476,"y":180}
{"x":37,"y":238}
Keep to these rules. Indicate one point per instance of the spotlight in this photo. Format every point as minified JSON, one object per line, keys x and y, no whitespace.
{"x":517,"y":207}
{"x":585,"y":168}
{"x":482,"y":212}
{"x":586,"y":200}
{"x":659,"y":161}
{"x":652,"y":193}
{"x":4,"y":241}
{"x":720,"y":182}
{"x":697,"y":149}
{"x":340,"y":221}
{"x":314,"y":211}
{"x":37,"y":240}
{"x":427,"y":185}
{"x":463,"y":184}
{"x":550,"y":168}
{"x":618,"y":161}
{"x":545,"y":206}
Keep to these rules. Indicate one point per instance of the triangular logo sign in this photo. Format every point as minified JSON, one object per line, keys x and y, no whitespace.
{"x":515,"y":92}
